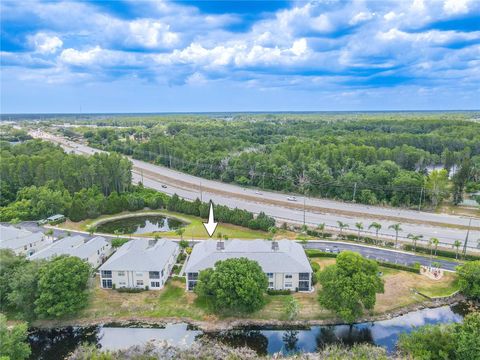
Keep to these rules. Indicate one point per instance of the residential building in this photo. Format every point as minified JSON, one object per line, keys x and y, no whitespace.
{"x":95,"y":251}
{"x":284,"y":262}
{"x":22,"y":241}
{"x":140,"y":263}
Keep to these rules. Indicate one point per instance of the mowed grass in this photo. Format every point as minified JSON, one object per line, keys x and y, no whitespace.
{"x":193,"y":230}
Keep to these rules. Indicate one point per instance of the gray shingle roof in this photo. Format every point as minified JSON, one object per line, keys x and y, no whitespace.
{"x":289,"y":258}
{"x":73,"y":246}
{"x":141,"y":255}
{"x":14,"y":238}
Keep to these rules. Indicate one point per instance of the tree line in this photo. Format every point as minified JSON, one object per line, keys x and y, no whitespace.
{"x":372,"y":160}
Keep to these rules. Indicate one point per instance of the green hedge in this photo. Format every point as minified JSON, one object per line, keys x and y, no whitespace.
{"x":278,"y":292}
{"x":316,"y":233}
{"x":131,"y":290}
{"x":440,"y":252}
{"x":414,"y":269}
{"x":313,"y":253}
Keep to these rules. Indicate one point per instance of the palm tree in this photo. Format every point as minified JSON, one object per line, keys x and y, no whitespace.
{"x":272,"y":230}
{"x":321,"y":228}
{"x":377,"y":227}
{"x":342,"y":226}
{"x":414,"y":239}
{"x":457,"y":245}
{"x":225,"y":237}
{"x":219,"y":236}
{"x":397,"y":229}
{"x":359,"y":226}
{"x":435,"y":242}
{"x":49,"y":233}
{"x":180,"y":232}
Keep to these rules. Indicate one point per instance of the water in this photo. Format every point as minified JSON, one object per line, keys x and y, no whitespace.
{"x":57,"y":343}
{"x":140,"y":225}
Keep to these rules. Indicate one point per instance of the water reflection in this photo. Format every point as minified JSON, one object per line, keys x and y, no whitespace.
{"x":57,"y":343}
{"x":140,"y":225}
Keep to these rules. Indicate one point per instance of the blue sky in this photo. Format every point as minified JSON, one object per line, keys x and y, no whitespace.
{"x":164,"y":56}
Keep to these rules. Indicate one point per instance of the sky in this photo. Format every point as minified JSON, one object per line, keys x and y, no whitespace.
{"x":184,"y":56}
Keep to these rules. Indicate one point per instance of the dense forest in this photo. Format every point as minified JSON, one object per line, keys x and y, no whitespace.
{"x":367,"y":158}
{"x":38,"y":179}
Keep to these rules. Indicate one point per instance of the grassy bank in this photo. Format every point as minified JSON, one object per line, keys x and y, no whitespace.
{"x":174,"y":302}
{"x":193,"y":230}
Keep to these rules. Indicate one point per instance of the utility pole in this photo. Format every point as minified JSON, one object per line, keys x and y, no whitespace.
{"x":466,"y":238}
{"x":263,"y":181}
{"x":304,"y":198}
{"x":354,"y":191}
{"x":201,"y":196}
{"x":141,"y":171}
{"x":420,"y":202}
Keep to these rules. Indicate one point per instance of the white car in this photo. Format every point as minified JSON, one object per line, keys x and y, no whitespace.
{"x":291,"y":198}
{"x":258,"y":192}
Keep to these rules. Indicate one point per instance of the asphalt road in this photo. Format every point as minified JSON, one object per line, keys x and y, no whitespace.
{"x":383,"y":255}
{"x":447,"y":228}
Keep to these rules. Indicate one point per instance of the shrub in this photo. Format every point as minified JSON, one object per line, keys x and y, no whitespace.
{"x":440,"y":252}
{"x":130,"y":290}
{"x":313,"y":253}
{"x":116,"y":243}
{"x":278,"y":292}
{"x":414,"y":269}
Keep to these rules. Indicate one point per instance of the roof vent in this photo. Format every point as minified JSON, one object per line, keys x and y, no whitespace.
{"x":220,"y":245}
{"x":151,"y":243}
{"x":275,"y":246}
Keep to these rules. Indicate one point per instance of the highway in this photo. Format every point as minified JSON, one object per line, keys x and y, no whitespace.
{"x":447,"y":228}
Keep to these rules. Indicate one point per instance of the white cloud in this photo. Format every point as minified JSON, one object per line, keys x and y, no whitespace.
{"x":361,"y":17}
{"x":456,"y":6}
{"x":80,"y":58}
{"x":45,"y":44}
{"x":151,"y":34}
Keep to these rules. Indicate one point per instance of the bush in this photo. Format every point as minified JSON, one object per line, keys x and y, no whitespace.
{"x":316,"y":233}
{"x":313,"y":253}
{"x":181,"y":257}
{"x":440,"y":252}
{"x":315,"y":266}
{"x":414,"y":269}
{"x":178,"y":278}
{"x":116,"y":243}
{"x":278,"y":292}
{"x":469,"y":279}
{"x":130,"y":290}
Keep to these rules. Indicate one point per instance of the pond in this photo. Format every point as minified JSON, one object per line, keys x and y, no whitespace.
{"x":140,"y":225}
{"x":57,"y":343}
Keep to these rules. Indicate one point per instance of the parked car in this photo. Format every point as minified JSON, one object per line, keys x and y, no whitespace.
{"x":291,"y":198}
{"x":258,"y":192}
{"x":164,"y":186}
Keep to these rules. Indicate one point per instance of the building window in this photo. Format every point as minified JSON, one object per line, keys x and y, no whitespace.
{"x":154,"y":274}
{"x":25,"y":247}
{"x":270,"y":275}
{"x":288,"y":285}
{"x":122,"y":283}
{"x":304,"y":276}
{"x":107,"y":283}
{"x":192,"y":276}
{"x":98,"y":252}
{"x":270,"y":285}
{"x":107,"y":274}
{"x":191,"y":285}
{"x":139,"y":274}
{"x":304,"y":285}
{"x":288,"y":276}
{"x":121,"y":273}
{"x":155,"y":284}
{"x":139,"y":282}
{"x":31,"y":245}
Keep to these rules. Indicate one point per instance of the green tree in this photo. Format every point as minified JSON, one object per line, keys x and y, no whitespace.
{"x":24,"y":289}
{"x":62,"y":287}
{"x":438,"y":186}
{"x":469,"y":279}
{"x":429,"y":342}
{"x":435,"y":243}
{"x":467,"y":338}
{"x":9,"y":265}
{"x":321,"y":228}
{"x":397,"y":228}
{"x":292,"y":308}
{"x":414,"y":239}
{"x":377,"y":226}
{"x":235,"y":284}
{"x":180,"y":232}
{"x":13,"y":340}
{"x":350,"y":285}
{"x":457,"y":245}
{"x":359,"y":226}
{"x":341,"y":226}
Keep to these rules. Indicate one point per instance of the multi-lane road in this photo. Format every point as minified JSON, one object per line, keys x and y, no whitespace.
{"x":447,"y":228}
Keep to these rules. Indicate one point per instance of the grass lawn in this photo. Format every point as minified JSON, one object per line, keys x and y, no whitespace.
{"x":194,"y":229}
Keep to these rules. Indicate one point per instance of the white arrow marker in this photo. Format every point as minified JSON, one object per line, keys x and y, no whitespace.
{"x":211,"y":225}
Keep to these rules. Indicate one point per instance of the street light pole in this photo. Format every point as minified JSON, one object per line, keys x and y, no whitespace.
{"x":466,"y":238}
{"x":201,"y":196}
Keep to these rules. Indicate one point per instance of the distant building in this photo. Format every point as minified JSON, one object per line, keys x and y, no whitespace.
{"x":140,"y":263}
{"x":22,"y":241}
{"x":284,"y":262}
{"x":95,"y":251}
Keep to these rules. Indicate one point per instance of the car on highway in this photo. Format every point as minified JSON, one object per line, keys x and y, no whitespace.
{"x":335,"y":250}
{"x":258,"y":192}
{"x":164,"y":186}
{"x":291,"y":198}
